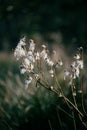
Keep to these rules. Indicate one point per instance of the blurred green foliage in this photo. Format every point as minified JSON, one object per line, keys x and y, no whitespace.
{"x":18,"y":17}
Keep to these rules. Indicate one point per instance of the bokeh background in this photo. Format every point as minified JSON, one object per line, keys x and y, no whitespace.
{"x":62,"y":25}
{"x":66,"y":18}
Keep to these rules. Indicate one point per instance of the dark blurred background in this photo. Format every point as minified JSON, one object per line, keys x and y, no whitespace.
{"x":67,"y":18}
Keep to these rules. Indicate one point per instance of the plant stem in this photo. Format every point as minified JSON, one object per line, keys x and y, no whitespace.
{"x":60,"y":122}
{"x":65,"y":98}
{"x":73,"y":106}
{"x":64,"y":111}
{"x":50,"y":124}
{"x":74,"y":122}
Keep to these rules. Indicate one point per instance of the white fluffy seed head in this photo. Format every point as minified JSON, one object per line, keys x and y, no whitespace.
{"x":77,"y":56}
{"x":19,"y":52}
{"x":37,"y":56}
{"x":28,"y":80}
{"x":32,"y":45}
{"x":22,"y":41}
{"x":51,"y":87}
{"x":22,"y":70}
{"x":43,"y":54}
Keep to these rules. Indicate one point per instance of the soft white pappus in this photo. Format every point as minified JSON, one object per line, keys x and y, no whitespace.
{"x":26,"y":62}
{"x":28,"y":81}
{"x":22,"y":41}
{"x":59,"y":63}
{"x":70,"y":82}
{"x":30,"y":68}
{"x":22,"y":70}
{"x":75,"y":68}
{"x":49,"y":62}
{"x":80,"y":64}
{"x":32,"y":45}
{"x":43,"y":54}
{"x":28,"y":65}
{"x":66,"y":73}
{"x":44,"y":46}
{"x":52,"y":75}
{"x":77,"y":64}
{"x":37,"y":56}
{"x":36,"y":76}
{"x":51,"y":87}
{"x":19,"y":52}
{"x":74,"y":93}
{"x":77,"y":72}
{"x":77,"y":56}
{"x":74,"y":65}
{"x":29,"y":53}
{"x":30,"y":56}
{"x":51,"y":72}
{"x":80,"y":48}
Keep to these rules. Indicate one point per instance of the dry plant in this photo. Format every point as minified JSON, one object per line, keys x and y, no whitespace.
{"x":41,"y":69}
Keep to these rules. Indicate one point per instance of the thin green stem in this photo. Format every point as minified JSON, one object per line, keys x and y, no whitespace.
{"x":74,"y":122}
{"x":73,"y":106}
{"x":65,"y":98}
{"x":72,"y":87}
{"x":84,"y":124}
{"x":50,"y":124}
{"x":60,"y":122}
{"x":64,"y":111}
{"x":59,"y":87}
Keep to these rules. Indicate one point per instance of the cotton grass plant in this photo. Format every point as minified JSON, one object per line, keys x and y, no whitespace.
{"x":40,"y":69}
{"x":35,"y":106}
